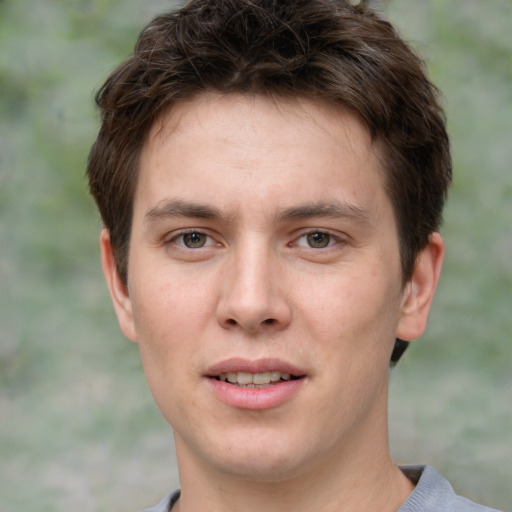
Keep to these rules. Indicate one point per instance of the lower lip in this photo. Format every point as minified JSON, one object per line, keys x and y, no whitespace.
{"x":255,"y":398}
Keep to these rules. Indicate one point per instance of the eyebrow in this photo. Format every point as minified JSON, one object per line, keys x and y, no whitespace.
{"x":180,"y":208}
{"x":333,"y":209}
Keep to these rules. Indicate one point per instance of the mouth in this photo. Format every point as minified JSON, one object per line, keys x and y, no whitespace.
{"x":255,"y":380}
{"x":255,"y":384}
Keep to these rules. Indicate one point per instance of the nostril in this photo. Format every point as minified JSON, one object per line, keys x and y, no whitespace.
{"x":231,"y":321}
{"x":269,"y":321}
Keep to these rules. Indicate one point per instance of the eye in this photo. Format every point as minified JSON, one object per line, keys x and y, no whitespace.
{"x":194,"y":240}
{"x":316,"y":240}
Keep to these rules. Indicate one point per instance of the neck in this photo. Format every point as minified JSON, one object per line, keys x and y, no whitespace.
{"x":359,"y":477}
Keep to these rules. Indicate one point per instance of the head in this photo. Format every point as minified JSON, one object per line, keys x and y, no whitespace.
{"x":328,"y":51}
{"x":271,"y":176}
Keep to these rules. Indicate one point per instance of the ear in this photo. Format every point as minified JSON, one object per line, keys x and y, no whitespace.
{"x":118,"y":290}
{"x":419,"y":291}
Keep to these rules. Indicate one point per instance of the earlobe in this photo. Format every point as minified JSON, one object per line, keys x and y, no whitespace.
{"x":419,"y":292}
{"x":118,"y":290}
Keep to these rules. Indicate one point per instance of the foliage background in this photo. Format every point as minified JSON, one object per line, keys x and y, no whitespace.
{"x":78,"y":426}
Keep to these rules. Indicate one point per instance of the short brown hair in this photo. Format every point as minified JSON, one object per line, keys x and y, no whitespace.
{"x":325,"y":50}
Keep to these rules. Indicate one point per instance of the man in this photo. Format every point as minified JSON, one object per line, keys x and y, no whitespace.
{"x":271,"y":177}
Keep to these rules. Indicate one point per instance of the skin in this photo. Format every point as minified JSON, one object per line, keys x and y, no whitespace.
{"x":274,"y":178}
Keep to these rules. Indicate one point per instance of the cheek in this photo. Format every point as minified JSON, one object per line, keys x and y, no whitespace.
{"x":168,"y":327}
{"x":169,"y":315}
{"x":170,"y":302}
{"x":355,"y":316}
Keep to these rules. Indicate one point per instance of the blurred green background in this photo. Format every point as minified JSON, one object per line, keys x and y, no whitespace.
{"x":78,"y":428}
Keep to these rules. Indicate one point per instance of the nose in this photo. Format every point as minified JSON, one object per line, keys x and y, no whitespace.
{"x":253,"y":296}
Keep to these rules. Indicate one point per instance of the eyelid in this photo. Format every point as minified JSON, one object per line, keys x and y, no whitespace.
{"x":336,"y":236}
{"x":173,"y":238}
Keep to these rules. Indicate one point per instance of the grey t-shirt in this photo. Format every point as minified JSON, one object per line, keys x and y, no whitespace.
{"x":432,"y":494}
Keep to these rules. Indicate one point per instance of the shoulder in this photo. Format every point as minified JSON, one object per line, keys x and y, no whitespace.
{"x":433,"y":493}
{"x":166,"y":504}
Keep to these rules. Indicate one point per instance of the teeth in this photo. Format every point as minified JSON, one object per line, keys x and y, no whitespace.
{"x":251,"y":380}
{"x":244,"y":378}
{"x":261,"y":378}
{"x":275,"y":376}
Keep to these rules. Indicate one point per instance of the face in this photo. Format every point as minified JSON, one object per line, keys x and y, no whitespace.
{"x":264,"y":285}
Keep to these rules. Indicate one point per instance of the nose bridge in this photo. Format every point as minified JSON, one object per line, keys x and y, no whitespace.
{"x":251,"y":296}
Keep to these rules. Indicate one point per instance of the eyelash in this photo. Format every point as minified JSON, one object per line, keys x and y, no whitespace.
{"x":332,"y":239}
{"x":175,"y":239}
{"x":178,"y":239}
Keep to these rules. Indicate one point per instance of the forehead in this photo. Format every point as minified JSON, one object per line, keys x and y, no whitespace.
{"x":230,"y":112}
{"x":257,"y":146}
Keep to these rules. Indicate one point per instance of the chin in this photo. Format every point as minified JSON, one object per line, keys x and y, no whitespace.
{"x":261,"y":467}
{"x":264,"y":457}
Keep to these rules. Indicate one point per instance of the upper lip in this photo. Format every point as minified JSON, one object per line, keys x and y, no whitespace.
{"x":257,"y":366}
